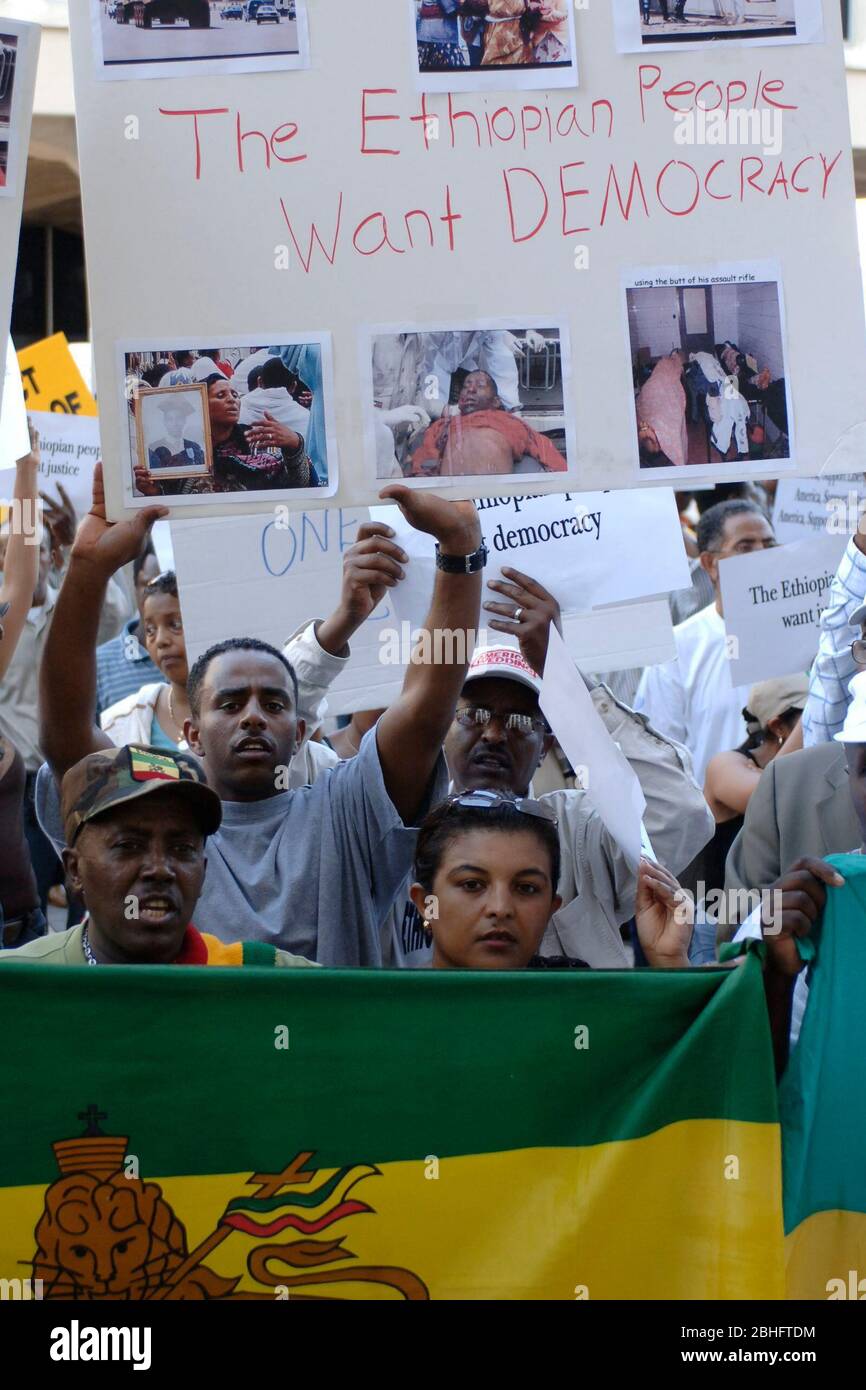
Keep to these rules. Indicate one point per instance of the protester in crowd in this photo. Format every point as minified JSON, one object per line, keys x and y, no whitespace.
{"x":265,"y":455}
{"x":207,"y":355}
{"x":136,"y":821}
{"x":774,"y":707}
{"x":486,"y":872}
{"x":841,"y":646}
{"x":801,"y":807}
{"x":505,"y":750}
{"x":19,"y":687}
{"x":315,"y":869}
{"x":483,"y":438}
{"x":792,"y":908}
{"x":21,"y":917}
{"x":156,"y":713}
{"x":691,"y":699}
{"x":123,"y":665}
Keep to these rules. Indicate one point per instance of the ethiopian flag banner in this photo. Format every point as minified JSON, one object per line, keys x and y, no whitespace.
{"x":193,"y":1134}
{"x":823,"y":1106}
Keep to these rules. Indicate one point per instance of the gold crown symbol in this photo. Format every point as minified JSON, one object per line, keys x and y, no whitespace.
{"x":96,"y":1153}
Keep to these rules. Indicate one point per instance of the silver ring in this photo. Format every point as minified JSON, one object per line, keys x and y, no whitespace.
{"x":518,"y":615}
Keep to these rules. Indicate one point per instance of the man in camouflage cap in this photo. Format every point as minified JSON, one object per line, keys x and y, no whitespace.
{"x":136,"y":822}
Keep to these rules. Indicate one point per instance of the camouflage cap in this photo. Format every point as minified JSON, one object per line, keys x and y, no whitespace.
{"x":115,"y":776}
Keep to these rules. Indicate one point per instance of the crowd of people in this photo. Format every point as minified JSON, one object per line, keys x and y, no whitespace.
{"x":444,"y":832}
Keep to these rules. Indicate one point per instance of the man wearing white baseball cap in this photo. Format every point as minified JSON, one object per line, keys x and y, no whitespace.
{"x":497,"y":742}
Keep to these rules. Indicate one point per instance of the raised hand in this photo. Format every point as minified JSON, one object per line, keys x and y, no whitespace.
{"x":527,"y":616}
{"x":455,"y":525}
{"x":664,"y":915}
{"x":107,"y":545}
{"x":59,"y":516}
{"x":794,"y":904}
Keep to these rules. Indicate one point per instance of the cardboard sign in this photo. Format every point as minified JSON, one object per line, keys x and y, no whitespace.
{"x":65,"y":414}
{"x":345,"y":199}
{"x":773,"y":600}
{"x":52,"y":380}
{"x":602,"y":768}
{"x":828,"y":505}
{"x":249,"y":577}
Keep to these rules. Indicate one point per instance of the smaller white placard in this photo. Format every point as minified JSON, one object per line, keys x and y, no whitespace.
{"x":828,"y":505}
{"x":248,"y":577}
{"x":602,"y":768}
{"x":587,"y":549}
{"x":773,"y":600}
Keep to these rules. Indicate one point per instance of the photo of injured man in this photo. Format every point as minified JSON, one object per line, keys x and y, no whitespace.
{"x":708,"y":374}
{"x":459,"y":403}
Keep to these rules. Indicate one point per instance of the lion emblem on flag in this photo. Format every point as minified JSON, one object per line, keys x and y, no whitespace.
{"x":104,"y":1234}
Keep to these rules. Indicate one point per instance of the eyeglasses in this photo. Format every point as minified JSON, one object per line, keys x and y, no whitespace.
{"x":523,"y":724}
{"x":858,"y":651}
{"x":490,"y":800}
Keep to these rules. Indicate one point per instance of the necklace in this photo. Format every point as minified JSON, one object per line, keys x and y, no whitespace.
{"x":178,"y":730}
{"x":88,"y":950}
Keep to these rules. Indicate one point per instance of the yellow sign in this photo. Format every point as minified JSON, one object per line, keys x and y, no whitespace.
{"x":52,"y":381}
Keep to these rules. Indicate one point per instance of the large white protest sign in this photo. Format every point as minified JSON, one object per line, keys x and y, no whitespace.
{"x":341,"y":198}
{"x":827,"y":505}
{"x":621,"y":638}
{"x":19,"y":50}
{"x":773,"y":600}
{"x":249,"y":577}
{"x":602,"y":768}
{"x":587,"y":549}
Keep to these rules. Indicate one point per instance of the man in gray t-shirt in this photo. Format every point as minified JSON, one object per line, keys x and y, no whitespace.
{"x":312,"y":870}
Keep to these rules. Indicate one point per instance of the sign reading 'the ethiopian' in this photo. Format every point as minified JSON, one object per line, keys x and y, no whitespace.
{"x":524,"y":281}
{"x":773,"y":600}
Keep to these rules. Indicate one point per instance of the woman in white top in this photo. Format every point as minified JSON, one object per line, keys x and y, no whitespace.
{"x":155,"y":715}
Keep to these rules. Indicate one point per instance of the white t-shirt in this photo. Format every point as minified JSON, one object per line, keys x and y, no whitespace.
{"x":691,"y":699}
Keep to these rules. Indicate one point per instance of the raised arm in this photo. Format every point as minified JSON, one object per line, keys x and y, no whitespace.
{"x":67,"y":682}
{"x":410,"y":734}
{"x":21,"y":564}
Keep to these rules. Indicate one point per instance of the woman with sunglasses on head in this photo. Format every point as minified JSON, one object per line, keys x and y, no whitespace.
{"x":486,"y":875}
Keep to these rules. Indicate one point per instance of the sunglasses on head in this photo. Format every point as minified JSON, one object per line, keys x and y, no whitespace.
{"x":489,"y":800}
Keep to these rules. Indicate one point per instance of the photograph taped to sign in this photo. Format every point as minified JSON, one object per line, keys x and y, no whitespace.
{"x":466,"y":402}
{"x":709,"y":371}
{"x":670,"y":24}
{"x":182,"y":38}
{"x":240,"y":418}
{"x":493,"y":45}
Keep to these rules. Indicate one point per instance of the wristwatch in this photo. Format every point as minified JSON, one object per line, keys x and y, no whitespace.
{"x":462,"y":564}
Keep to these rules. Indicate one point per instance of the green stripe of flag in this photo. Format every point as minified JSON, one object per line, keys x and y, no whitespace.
{"x":382,"y":1066}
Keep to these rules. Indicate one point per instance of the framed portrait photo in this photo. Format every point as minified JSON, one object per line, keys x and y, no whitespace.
{"x":173,"y":431}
